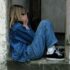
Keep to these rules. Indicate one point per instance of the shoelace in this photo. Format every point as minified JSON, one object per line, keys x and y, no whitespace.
{"x":57,"y":52}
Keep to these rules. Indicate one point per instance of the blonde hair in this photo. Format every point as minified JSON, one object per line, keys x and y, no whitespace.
{"x":15,"y":13}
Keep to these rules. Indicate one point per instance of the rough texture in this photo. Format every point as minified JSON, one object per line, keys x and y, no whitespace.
{"x":67,"y":40}
{"x":3,"y":42}
{"x":56,"y":11}
{"x":41,"y":64}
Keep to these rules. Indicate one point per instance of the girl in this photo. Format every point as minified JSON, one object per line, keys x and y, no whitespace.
{"x":24,"y":43}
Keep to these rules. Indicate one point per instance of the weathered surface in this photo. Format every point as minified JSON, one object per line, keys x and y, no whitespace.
{"x":3,"y":41}
{"x":55,"y":10}
{"x":41,"y":64}
{"x":67,"y":40}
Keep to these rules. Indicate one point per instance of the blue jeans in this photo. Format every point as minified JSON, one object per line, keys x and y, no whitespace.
{"x":44,"y":38}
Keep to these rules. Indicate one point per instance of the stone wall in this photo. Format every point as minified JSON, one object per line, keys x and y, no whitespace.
{"x":55,"y":10}
{"x":3,"y":33}
{"x":67,"y":40}
{"x":25,"y":3}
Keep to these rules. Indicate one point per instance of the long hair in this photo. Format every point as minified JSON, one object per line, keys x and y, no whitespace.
{"x":15,"y":13}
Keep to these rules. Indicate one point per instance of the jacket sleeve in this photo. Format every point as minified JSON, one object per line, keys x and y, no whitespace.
{"x":23,"y":35}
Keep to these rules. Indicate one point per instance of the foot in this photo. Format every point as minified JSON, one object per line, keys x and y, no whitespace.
{"x":62,"y":50}
{"x":55,"y":56}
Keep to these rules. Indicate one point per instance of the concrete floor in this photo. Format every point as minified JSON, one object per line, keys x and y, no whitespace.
{"x":41,"y":64}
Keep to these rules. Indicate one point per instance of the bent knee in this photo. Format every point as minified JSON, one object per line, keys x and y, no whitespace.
{"x":46,"y":22}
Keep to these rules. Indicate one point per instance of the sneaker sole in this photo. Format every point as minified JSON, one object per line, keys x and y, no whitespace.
{"x":55,"y":59}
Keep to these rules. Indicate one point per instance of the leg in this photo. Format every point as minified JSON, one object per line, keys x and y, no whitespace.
{"x":44,"y":34}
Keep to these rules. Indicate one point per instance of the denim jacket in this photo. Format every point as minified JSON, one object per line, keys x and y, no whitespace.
{"x":20,"y":38}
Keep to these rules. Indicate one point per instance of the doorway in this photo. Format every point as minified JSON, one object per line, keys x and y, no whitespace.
{"x":35,"y":12}
{"x":43,"y":9}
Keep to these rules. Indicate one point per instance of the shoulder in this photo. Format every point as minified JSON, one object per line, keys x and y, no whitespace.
{"x":16,"y":25}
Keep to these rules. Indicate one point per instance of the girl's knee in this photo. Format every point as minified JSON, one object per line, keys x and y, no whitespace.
{"x":46,"y":22}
